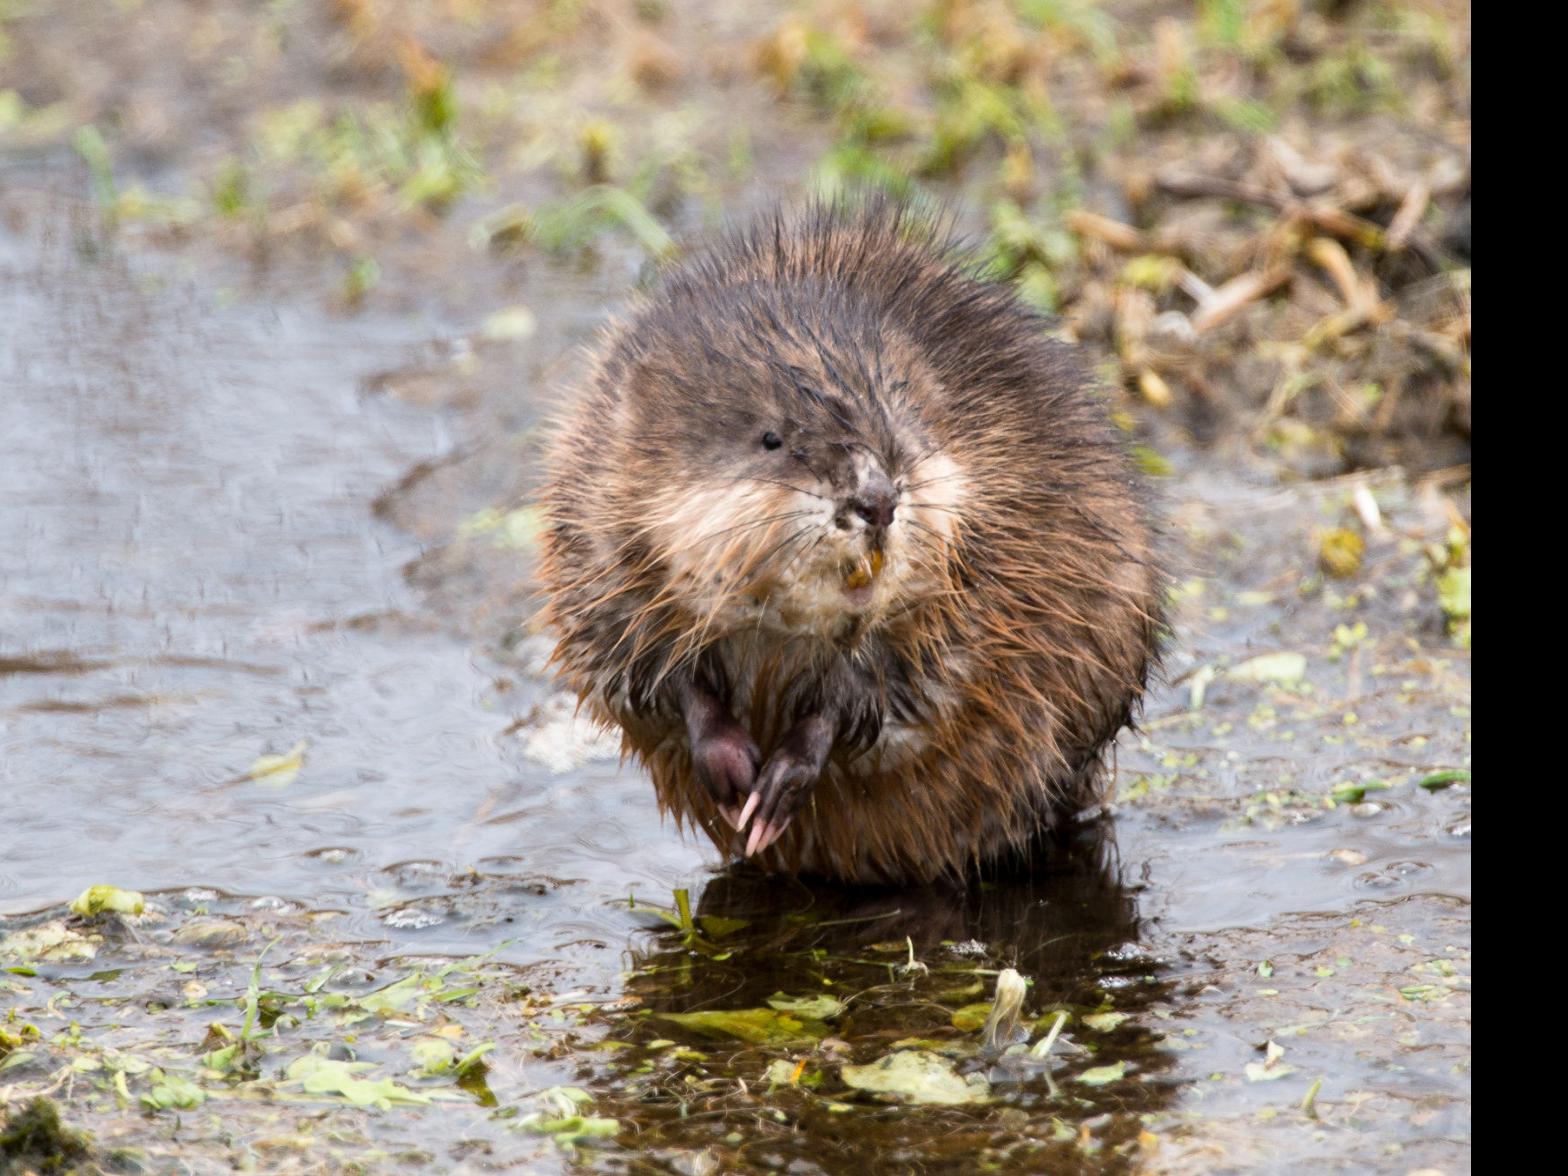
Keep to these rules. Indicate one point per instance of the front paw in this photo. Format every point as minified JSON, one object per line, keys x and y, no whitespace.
{"x":782,"y":787}
{"x":725,"y":761}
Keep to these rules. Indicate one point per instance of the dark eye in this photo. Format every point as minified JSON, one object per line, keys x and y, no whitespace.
{"x":771,"y":440}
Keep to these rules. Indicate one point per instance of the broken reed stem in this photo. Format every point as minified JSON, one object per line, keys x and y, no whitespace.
{"x":1324,"y":217}
{"x":1042,"y":1048}
{"x":1102,"y":228}
{"x":1236,"y":295}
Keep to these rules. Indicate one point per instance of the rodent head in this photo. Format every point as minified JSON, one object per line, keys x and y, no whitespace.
{"x":788,"y":488}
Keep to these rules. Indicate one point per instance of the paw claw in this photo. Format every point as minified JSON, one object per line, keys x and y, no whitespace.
{"x":752,"y":802}
{"x":764,"y":834}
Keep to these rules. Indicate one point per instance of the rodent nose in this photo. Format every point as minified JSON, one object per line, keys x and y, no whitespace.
{"x":875,"y":500}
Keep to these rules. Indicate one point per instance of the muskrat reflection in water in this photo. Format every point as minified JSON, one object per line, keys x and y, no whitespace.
{"x":1055,"y":913}
{"x":842,"y":541}
{"x":903,"y":960}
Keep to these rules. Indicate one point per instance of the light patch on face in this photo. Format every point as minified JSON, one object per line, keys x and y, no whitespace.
{"x":814,"y":595}
{"x":725,"y":543}
{"x":844,"y":583}
{"x":761,"y":556}
{"x":934,"y":494}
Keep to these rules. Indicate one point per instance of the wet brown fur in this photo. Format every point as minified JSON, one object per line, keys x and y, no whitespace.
{"x":982,"y":704}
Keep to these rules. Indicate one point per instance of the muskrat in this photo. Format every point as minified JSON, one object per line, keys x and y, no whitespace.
{"x":846,"y":545}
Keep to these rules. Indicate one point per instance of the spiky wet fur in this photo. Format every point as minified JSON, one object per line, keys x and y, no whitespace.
{"x":1016,"y":636}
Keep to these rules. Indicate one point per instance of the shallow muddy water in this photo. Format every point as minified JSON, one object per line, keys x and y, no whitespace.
{"x":236,"y":527}
{"x":194,"y":580}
